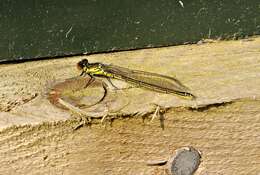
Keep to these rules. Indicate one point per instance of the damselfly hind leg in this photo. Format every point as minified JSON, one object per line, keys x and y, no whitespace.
{"x":110,"y":82}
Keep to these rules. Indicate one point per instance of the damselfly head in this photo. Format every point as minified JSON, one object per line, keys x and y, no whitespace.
{"x":83,"y":63}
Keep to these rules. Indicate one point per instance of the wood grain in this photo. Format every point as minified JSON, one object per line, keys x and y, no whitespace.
{"x":38,"y":138}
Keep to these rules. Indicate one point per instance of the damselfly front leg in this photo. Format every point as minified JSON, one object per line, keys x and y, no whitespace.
{"x":91,"y":80}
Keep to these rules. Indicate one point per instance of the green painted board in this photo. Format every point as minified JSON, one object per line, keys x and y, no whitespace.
{"x":44,"y":29}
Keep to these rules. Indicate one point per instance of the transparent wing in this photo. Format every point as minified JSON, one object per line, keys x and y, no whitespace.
{"x":153,"y":81}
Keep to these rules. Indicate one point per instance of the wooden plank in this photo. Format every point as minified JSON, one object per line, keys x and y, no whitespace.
{"x":225,"y":127}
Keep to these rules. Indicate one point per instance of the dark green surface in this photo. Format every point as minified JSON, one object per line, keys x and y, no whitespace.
{"x":36,"y":29}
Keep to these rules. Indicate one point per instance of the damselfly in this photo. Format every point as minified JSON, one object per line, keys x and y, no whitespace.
{"x":147,"y":80}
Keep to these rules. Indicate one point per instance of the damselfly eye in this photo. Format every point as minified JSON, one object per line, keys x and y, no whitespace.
{"x":82,"y":64}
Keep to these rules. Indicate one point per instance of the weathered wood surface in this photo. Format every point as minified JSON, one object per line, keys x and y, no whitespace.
{"x":225,"y":128}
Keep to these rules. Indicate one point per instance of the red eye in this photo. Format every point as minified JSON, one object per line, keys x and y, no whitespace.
{"x":79,"y":66}
{"x":82,"y":64}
